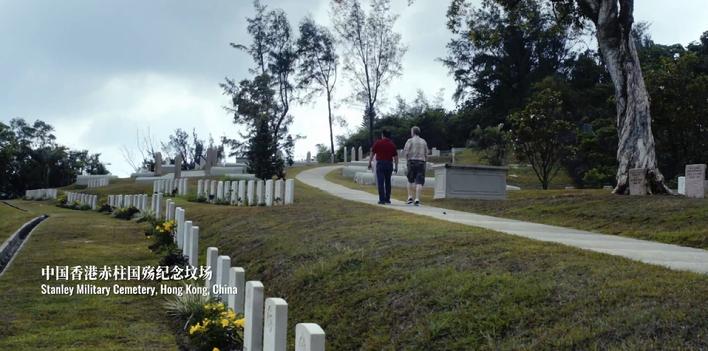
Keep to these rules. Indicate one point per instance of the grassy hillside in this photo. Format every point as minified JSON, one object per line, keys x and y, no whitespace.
{"x":32,"y":321}
{"x":12,"y":219}
{"x":668,"y":219}
{"x":383,"y":280}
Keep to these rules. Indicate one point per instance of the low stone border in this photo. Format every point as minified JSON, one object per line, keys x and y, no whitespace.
{"x":12,"y":245}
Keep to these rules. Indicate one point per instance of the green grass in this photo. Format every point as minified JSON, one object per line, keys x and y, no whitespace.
{"x":32,"y":321}
{"x":12,"y":219}
{"x":667,"y":219}
{"x":383,"y":280}
{"x":379,"y":279}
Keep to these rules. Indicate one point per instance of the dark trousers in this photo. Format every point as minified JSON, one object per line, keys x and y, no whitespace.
{"x":384,"y":169}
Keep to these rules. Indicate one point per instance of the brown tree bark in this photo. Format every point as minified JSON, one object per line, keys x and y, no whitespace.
{"x":613,"y":21}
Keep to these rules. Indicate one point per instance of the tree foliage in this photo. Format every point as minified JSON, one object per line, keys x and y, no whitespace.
{"x":30,"y":158}
{"x":373,"y":50}
{"x":541,"y":134}
{"x":318,"y":66}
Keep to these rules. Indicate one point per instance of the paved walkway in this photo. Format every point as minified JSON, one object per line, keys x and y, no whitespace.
{"x":672,"y":256}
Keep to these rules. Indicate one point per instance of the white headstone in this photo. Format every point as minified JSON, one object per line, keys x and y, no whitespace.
{"x":309,"y":337}
{"x":200,"y":187}
{"x":260,"y":198}
{"x":289,"y":191}
{"x":345,"y":154}
{"x":194,"y":247}
{"x":234,"y":192}
{"x":211,"y":257}
{"x":696,"y":181}
{"x":279,"y":192}
{"x":179,"y":220}
{"x":253,"y":328}
{"x":361,"y":153}
{"x":220,"y":191}
{"x":269,"y":192}
{"x":187,"y":240}
{"x":212,"y":189}
{"x":275,"y":326}
{"x":241,"y":192}
{"x":353,"y":158}
{"x":223,"y":265}
{"x":682,"y":185}
{"x":237,"y":279}
{"x":251,"y":193}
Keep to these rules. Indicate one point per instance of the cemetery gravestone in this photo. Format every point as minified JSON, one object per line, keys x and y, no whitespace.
{"x":695,"y":181}
{"x":223,"y":265}
{"x":309,"y":337}
{"x":638,"y":181}
{"x":253,"y":328}
{"x":178,"y":166}
{"x":158,"y":164}
{"x":211,"y":257}
{"x":237,"y":279}
{"x":194,"y":247}
{"x":275,"y":327}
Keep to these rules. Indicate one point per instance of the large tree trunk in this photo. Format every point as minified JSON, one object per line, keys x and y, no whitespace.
{"x":331,"y":133}
{"x":613,"y":21}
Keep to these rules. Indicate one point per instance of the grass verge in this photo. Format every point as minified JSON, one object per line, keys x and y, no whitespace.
{"x":668,"y":219}
{"x":12,"y":219}
{"x":32,"y":321}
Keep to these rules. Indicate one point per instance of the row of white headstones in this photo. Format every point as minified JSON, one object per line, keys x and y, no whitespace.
{"x":82,"y":199}
{"x":40,"y":194}
{"x":266,"y":319}
{"x":248,"y":192}
{"x":97,"y":183}
{"x":168,"y":186}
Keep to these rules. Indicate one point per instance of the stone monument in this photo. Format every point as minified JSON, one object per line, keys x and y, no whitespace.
{"x":638,"y":181}
{"x":158,"y":164}
{"x":695,"y":181}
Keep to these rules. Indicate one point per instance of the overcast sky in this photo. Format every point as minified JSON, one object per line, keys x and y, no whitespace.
{"x":100,"y":71}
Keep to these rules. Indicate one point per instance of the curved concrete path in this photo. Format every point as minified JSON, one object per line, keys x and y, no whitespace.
{"x":671,"y":256}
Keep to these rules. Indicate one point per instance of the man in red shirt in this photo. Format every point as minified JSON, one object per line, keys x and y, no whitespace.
{"x":386,"y":163}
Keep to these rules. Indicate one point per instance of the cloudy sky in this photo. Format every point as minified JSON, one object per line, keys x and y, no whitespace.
{"x":102,"y":71}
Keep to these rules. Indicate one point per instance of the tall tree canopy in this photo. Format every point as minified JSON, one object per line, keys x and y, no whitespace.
{"x":373,"y":50}
{"x":318,"y":65}
{"x":274,"y":53}
{"x":30,"y":158}
{"x":500,"y":49}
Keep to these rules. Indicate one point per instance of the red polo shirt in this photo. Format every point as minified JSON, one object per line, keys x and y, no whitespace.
{"x":384,"y":149}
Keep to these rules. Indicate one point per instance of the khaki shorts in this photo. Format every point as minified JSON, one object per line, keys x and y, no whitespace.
{"x":416,"y":172}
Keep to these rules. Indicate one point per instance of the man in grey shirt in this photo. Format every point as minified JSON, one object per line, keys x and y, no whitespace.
{"x":416,"y":154}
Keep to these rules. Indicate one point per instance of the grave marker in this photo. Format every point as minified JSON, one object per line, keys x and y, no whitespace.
{"x":638,"y":181}
{"x":275,"y":326}
{"x":695,"y":181}
{"x":211,"y":257}
{"x":223,"y":265}
{"x":253,"y":313}
{"x":237,"y":279}
{"x":309,"y":337}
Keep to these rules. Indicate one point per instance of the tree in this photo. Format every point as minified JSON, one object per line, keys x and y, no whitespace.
{"x":373,"y":50}
{"x":179,"y":144}
{"x":500,"y":49}
{"x":318,"y":65}
{"x":30,"y":158}
{"x":613,"y":21}
{"x":541,"y":134}
{"x":273,"y":51}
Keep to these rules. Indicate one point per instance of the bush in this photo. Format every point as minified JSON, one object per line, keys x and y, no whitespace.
{"x":173,"y":257}
{"x":219,"y":328}
{"x":125,"y":213}
{"x":163,"y":235}
{"x":147,"y":216}
{"x":493,"y":142}
{"x":105,"y":208}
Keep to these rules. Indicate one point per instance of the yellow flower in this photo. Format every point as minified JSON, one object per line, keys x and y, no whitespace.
{"x":240,"y":323}
{"x":215,"y":349}
{"x":224,"y":323}
{"x":194,"y":329}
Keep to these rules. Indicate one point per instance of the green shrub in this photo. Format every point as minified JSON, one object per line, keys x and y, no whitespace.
{"x":125,"y":213}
